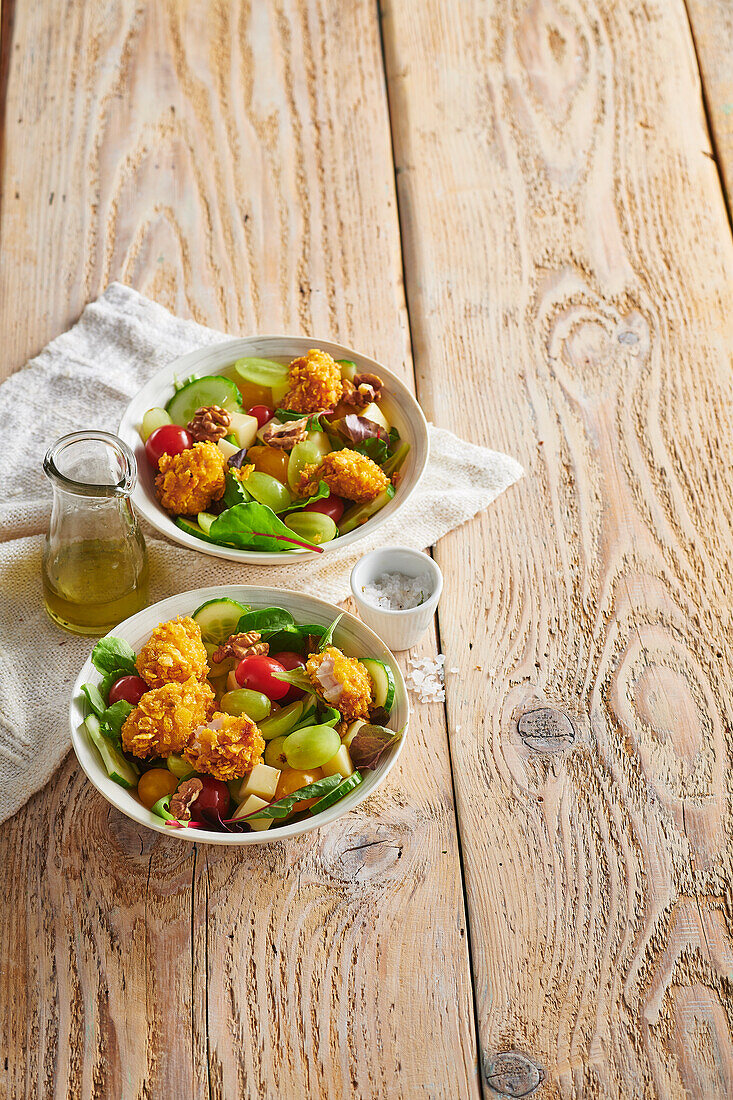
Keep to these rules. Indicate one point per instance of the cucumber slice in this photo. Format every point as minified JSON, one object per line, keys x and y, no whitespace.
{"x":360,"y":513}
{"x":115,"y":765}
{"x":212,"y":390}
{"x":205,"y":521}
{"x":346,"y":786}
{"x":263,"y":372}
{"x":383,"y":680}
{"x":218,"y":619}
{"x":192,"y":528}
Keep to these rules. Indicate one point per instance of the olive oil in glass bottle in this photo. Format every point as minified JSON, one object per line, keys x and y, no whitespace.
{"x":95,"y":567}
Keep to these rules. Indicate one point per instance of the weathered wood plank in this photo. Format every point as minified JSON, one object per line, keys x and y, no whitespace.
{"x":712,"y":29}
{"x":568,"y":265}
{"x":233,"y":161}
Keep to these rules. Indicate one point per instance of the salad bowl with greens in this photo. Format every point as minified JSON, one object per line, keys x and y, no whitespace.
{"x":274,"y":447}
{"x":238,"y":714}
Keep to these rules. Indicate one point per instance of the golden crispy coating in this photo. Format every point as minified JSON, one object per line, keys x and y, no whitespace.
{"x":187,"y":483}
{"x":342,"y":681}
{"x":348,"y":474}
{"x":165,"y":718}
{"x":227,"y":748}
{"x":173,"y":652}
{"x":315,"y":383}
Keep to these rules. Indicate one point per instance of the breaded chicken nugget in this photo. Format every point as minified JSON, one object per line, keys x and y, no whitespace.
{"x":341,"y":681}
{"x":315,"y":383}
{"x":227,"y":747}
{"x":188,"y":482}
{"x":173,"y":652}
{"x":165,"y":718}
{"x":348,"y":474}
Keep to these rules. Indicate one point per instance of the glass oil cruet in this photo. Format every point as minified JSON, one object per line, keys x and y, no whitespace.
{"x":95,"y":566}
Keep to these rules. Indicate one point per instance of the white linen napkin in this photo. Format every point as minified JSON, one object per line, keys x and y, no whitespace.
{"x":84,"y":379}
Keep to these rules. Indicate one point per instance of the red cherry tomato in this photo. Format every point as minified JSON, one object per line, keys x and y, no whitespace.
{"x":330,"y":506}
{"x":214,"y":799}
{"x":262,"y":413}
{"x":129,"y":688}
{"x":290,"y":660}
{"x":168,"y":440}
{"x":257,"y":673}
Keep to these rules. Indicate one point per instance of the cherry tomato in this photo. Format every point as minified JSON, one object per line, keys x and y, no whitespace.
{"x":213,"y":799}
{"x":257,"y":673}
{"x":168,"y":440}
{"x":129,"y":688}
{"x":154,"y":784}
{"x":261,"y":413}
{"x":330,"y":506}
{"x":291,"y":780}
{"x":290,"y":660}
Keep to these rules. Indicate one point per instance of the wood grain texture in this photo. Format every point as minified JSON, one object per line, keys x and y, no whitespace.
{"x":568,"y":261}
{"x":232,"y":160}
{"x":712,"y":29}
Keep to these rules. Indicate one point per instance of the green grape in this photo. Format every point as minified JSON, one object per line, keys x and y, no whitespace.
{"x":154,"y":418}
{"x":313,"y":527}
{"x":179,"y":767}
{"x":268,"y":490}
{"x":245,"y":701}
{"x":282,"y":721}
{"x":274,"y":755}
{"x":308,"y":453}
{"x":310,"y":747}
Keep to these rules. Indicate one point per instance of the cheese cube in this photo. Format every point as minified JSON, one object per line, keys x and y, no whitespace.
{"x":249,"y":806}
{"x":340,"y":763}
{"x":227,"y":449}
{"x":244,"y":427}
{"x":262,"y":781}
{"x":232,"y":682}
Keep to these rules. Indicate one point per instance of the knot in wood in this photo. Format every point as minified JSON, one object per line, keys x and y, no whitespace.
{"x":512,"y":1074}
{"x":546,"y":730}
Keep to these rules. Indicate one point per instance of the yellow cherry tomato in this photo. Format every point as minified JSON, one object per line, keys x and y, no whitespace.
{"x":270,"y":460}
{"x":253,"y":394}
{"x":155,"y":784}
{"x":291,"y":779}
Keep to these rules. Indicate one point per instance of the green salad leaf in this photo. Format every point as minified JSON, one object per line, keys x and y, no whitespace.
{"x":283,"y":806}
{"x":254,"y":526}
{"x":321,"y":493}
{"x":114,"y":655}
{"x":298,"y":678}
{"x":234,"y":491}
{"x":111,"y":719}
{"x":266,"y":620}
{"x":327,"y":637}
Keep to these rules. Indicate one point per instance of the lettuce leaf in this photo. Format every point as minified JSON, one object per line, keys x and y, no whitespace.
{"x":114,"y":655}
{"x":321,"y":493}
{"x":254,"y":526}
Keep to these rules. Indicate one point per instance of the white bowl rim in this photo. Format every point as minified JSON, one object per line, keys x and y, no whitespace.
{"x":78,"y":710}
{"x":162,"y":523}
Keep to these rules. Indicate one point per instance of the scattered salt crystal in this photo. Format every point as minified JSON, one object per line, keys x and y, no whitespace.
{"x":457,"y":729}
{"x":454,"y":669}
{"x":398,"y":592}
{"x":425,"y":678}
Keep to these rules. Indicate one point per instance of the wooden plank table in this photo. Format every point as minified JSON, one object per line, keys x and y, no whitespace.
{"x":519,"y":206}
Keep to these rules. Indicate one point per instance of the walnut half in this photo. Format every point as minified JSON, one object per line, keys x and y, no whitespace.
{"x":240,"y":646}
{"x":365,"y":389}
{"x":285,"y":435}
{"x":210,"y":424}
{"x":183,"y":799}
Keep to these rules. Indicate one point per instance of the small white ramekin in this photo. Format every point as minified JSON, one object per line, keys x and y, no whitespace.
{"x":397,"y":629}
